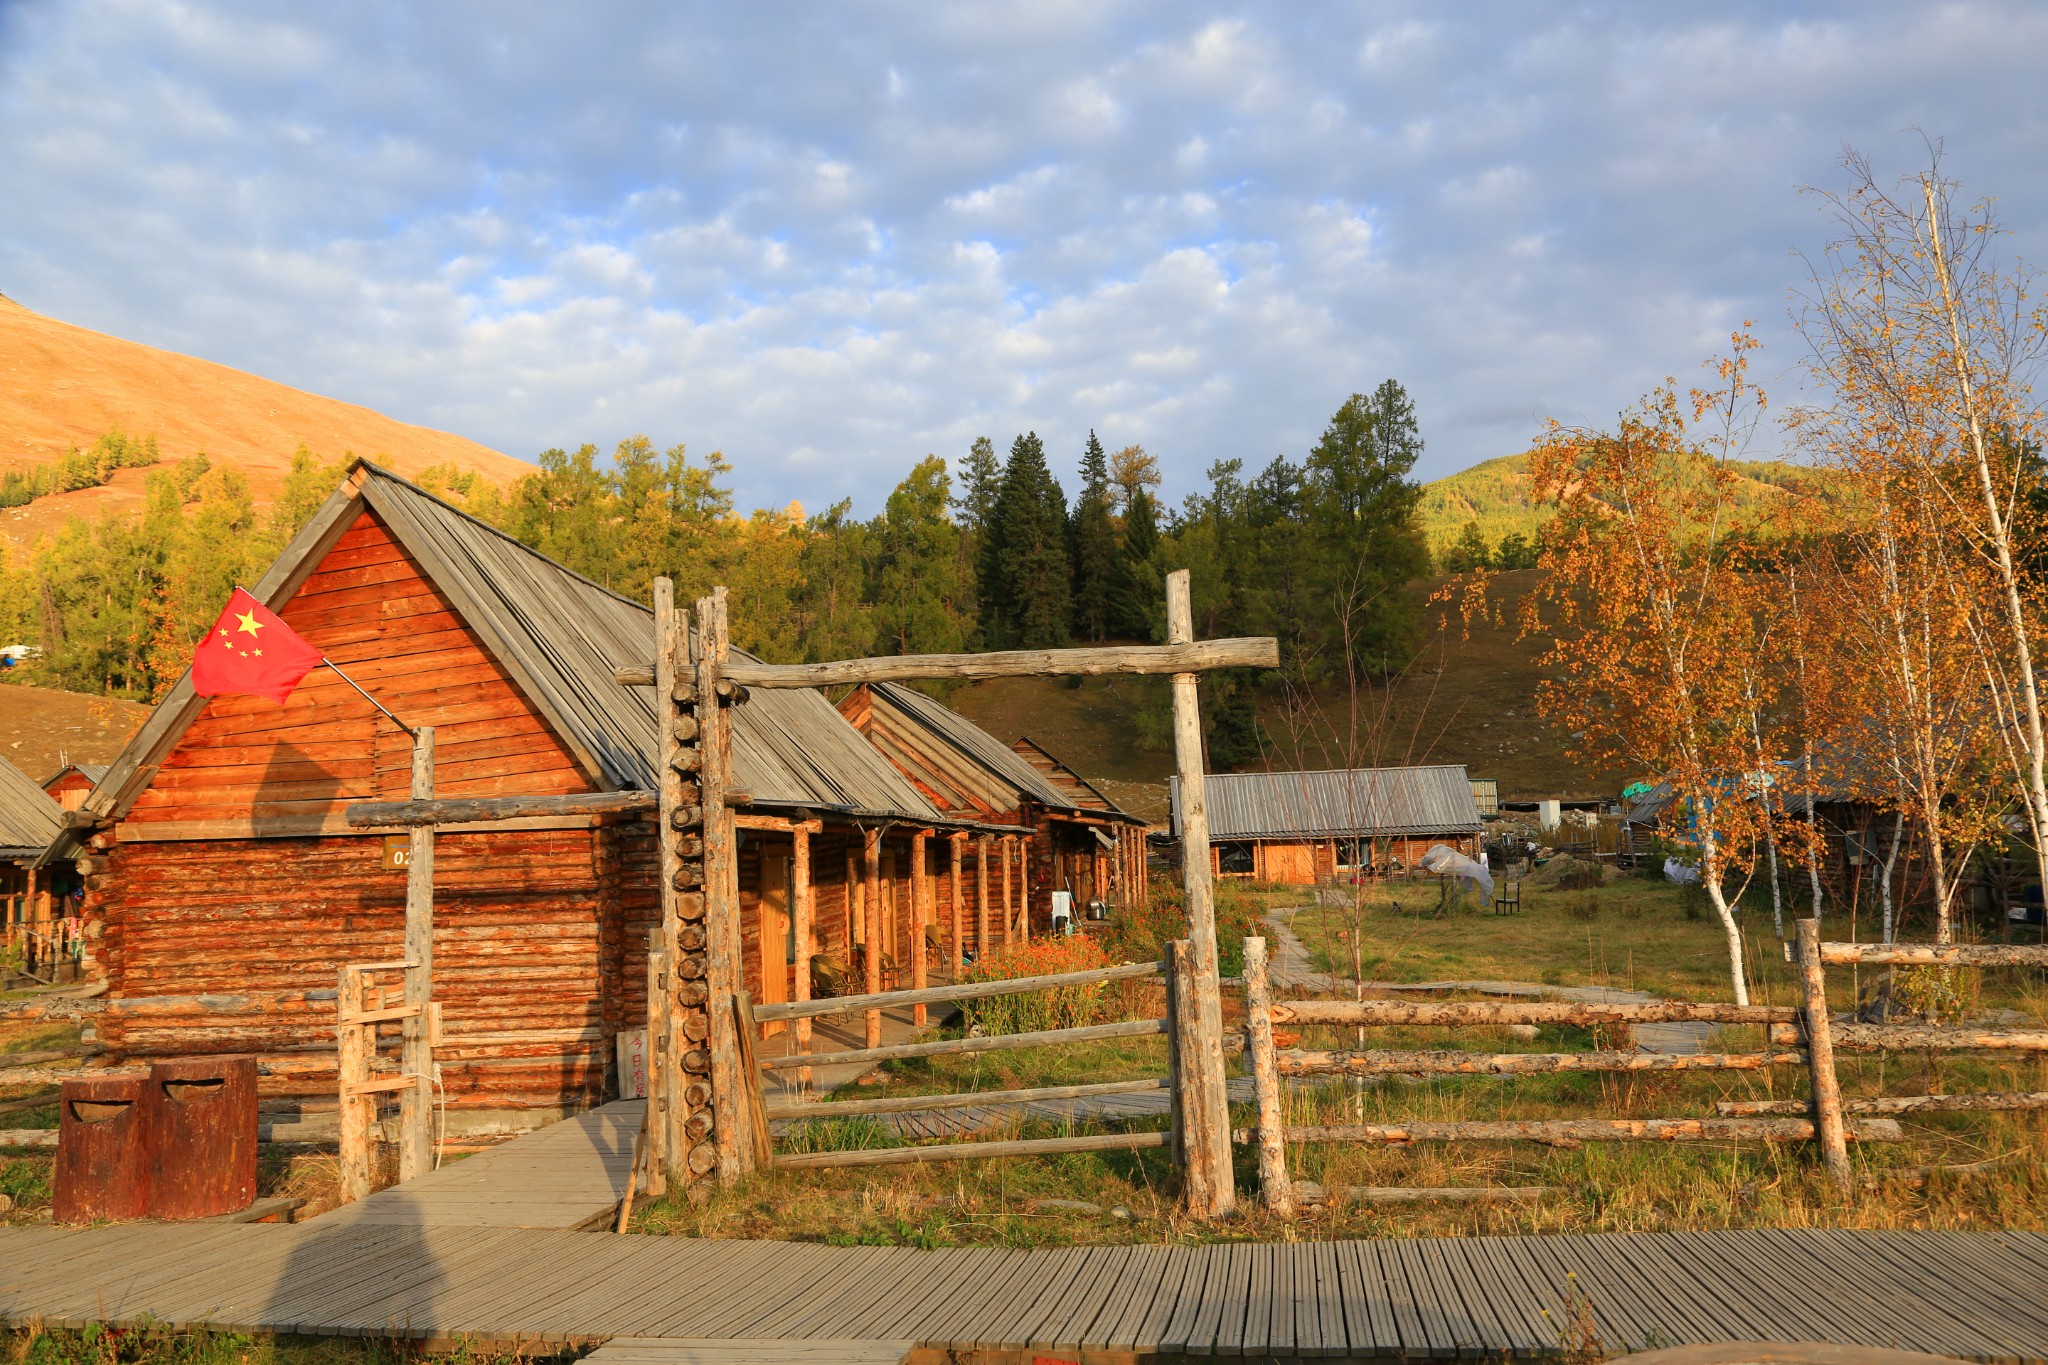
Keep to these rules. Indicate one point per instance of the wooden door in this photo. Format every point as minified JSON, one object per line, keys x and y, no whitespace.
{"x":778,"y":934}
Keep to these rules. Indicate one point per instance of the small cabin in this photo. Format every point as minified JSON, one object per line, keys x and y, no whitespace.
{"x":37,"y":912}
{"x":1300,"y":828}
{"x":225,"y":888}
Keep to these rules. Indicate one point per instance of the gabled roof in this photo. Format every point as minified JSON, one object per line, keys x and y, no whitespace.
{"x":29,"y":816}
{"x":560,"y":636}
{"x":969,"y":740}
{"x":1344,"y":803}
{"x":1076,"y":786}
{"x":91,"y":772}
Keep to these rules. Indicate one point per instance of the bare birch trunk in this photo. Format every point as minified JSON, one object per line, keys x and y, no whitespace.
{"x":1999,"y":534}
{"x":1710,"y":880}
{"x":1884,"y":886}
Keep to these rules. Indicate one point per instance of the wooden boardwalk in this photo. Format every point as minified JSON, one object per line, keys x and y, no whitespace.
{"x":1975,"y":1295}
{"x":570,"y":1174}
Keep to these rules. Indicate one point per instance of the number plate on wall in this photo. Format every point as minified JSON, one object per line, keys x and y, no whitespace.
{"x":397,"y":852}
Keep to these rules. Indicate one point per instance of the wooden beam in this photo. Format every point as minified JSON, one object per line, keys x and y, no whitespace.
{"x":920,"y":915}
{"x":973,"y":1151}
{"x":960,"y":990}
{"x":1184,"y":656}
{"x":1275,"y":1189}
{"x":458,"y":810}
{"x":1937,"y":954}
{"x":1401,"y":1013}
{"x":1572,"y":1132}
{"x":1206,"y":1087}
{"x":981,"y":897}
{"x":803,"y":904}
{"x":953,"y":843}
{"x":416,"y":1104}
{"x":1000,"y":1042}
{"x":973,"y":1099}
{"x":1828,"y":1125}
{"x":871,"y":927}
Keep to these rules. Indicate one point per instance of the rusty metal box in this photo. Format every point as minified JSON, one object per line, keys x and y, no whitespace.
{"x":102,"y":1150}
{"x":201,"y":1124}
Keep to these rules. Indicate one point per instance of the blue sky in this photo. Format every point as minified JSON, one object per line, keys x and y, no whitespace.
{"x":829,"y":239}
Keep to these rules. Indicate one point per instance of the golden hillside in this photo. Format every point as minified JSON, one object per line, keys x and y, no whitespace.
{"x":63,"y":387}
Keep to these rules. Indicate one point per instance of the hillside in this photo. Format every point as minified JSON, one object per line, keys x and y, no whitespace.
{"x":64,"y":387}
{"x":41,"y":728}
{"x":1498,"y":495}
{"x":1470,"y":699}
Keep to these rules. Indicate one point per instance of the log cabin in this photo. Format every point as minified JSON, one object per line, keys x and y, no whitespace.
{"x":37,"y":913}
{"x":73,"y":782}
{"x":1080,"y":842}
{"x":1300,"y":828}
{"x":225,"y":888}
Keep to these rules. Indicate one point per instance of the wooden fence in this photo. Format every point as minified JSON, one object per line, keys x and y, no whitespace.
{"x":362,"y":1008}
{"x":1803,"y":1035}
{"x":1177,"y":1025}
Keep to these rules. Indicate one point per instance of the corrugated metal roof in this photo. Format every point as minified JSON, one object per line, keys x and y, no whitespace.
{"x":29,"y":816}
{"x":976,"y":743}
{"x":561,"y":636}
{"x":1342,"y":803}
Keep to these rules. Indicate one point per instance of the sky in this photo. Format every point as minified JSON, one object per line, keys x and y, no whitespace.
{"x":830,"y":239}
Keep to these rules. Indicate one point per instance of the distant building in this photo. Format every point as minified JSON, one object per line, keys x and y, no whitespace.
{"x":1304,"y":827}
{"x":37,"y":913}
{"x":73,"y":782}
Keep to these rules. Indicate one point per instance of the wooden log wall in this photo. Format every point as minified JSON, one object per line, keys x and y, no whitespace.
{"x":521,"y":925}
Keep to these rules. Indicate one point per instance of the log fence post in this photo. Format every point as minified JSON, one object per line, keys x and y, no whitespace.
{"x":954,"y":946}
{"x":1275,"y":1189}
{"x":355,"y":1045}
{"x":1820,"y":1057}
{"x":1211,"y":1124}
{"x":416,"y":1103}
{"x":920,"y":916}
{"x":871,"y":917}
{"x":660,"y":1152}
{"x":722,"y":962}
{"x":805,"y":907}
{"x":981,"y":897}
{"x":1184,"y":1047}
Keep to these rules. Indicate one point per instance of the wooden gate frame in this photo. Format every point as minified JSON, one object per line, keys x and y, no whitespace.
{"x":699,"y":800}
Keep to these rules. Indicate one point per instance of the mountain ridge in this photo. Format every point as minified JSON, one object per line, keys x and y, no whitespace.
{"x":62,"y":387}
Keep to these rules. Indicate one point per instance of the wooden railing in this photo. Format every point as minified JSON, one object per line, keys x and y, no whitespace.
{"x":361,"y":1009}
{"x":1802,"y":1035}
{"x":1179,"y":1006}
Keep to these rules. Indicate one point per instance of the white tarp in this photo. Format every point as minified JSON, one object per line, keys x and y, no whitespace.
{"x":1444,"y":861}
{"x":1675,"y":871}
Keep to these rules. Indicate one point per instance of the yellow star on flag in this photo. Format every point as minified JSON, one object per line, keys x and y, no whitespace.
{"x":249,"y":624}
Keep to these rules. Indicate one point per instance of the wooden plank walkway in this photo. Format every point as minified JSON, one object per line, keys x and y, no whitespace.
{"x":1972,"y":1295}
{"x":570,"y":1174}
{"x":748,"y":1351}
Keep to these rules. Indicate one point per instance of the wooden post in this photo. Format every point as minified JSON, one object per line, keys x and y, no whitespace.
{"x":920,"y":915}
{"x":1212,"y":1125}
{"x":355,"y":1044}
{"x":1024,"y":888}
{"x":953,"y":902}
{"x":871,"y":879}
{"x":722,"y":969}
{"x":661,"y":1152}
{"x":981,"y":897}
{"x":1009,"y":897}
{"x":1275,"y":1189}
{"x":1820,"y":1058}
{"x":1184,"y":1045}
{"x":416,"y":1104}
{"x":804,"y":906}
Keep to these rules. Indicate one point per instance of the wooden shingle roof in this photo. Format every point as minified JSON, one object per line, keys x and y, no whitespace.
{"x":29,"y":816}
{"x":560,"y":636}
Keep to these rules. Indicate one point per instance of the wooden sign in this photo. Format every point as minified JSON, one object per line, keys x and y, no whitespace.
{"x":397,"y":852}
{"x":632,"y":1045}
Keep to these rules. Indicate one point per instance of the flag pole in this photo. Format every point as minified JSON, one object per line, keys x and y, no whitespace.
{"x":367,"y":697}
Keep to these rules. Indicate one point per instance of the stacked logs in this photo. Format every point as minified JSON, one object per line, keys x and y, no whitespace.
{"x":687,"y":1148}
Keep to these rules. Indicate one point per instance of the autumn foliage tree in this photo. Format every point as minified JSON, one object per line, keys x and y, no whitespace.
{"x":1657,"y":631}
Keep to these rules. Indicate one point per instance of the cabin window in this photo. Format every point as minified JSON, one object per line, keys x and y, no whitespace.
{"x":1235,"y":859}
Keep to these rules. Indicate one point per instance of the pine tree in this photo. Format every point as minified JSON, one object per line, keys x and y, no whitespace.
{"x":1023,"y":567}
{"x":1094,"y":546}
{"x":1138,"y":600}
{"x":1469,"y":551}
{"x":1361,"y":509}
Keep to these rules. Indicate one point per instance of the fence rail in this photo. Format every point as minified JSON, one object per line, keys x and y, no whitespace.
{"x":1806,"y":1033}
{"x":803,"y":1062}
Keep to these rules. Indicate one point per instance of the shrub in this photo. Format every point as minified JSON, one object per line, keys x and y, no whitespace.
{"x":1036,"y":1011}
{"x":1141,"y":933}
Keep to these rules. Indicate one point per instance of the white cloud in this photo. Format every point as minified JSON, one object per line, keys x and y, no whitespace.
{"x":828,"y":242}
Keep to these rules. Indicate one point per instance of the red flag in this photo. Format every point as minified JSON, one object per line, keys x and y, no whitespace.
{"x":250,"y":650}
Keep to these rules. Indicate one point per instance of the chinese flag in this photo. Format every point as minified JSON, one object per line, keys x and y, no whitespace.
{"x":249,"y":650}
